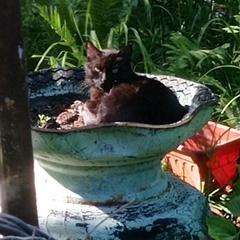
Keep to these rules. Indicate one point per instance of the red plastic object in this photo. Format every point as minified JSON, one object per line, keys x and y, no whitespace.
{"x":212,"y":151}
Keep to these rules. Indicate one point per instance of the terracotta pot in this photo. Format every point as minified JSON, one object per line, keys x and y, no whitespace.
{"x":209,"y":158}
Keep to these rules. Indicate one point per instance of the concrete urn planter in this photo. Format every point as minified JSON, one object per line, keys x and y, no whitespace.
{"x":112,"y":171}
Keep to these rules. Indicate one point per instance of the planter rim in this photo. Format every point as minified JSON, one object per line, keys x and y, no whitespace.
{"x":216,"y":145}
{"x":127,"y":124}
{"x":210,"y":102}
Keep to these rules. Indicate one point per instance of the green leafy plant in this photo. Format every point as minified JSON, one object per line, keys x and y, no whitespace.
{"x":222,"y":228}
{"x":43,"y":120}
{"x":186,"y":56}
{"x":71,"y":54}
{"x":73,"y":34}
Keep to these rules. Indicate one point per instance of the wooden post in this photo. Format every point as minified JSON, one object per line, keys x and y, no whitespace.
{"x":16,"y":157}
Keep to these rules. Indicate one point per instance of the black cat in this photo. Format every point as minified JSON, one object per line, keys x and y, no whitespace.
{"x":118,"y":94}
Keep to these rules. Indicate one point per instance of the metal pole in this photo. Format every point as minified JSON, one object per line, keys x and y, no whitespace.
{"x":16,"y":157}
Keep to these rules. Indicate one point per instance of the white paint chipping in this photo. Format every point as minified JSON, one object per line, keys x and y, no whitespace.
{"x":20,"y":52}
{"x":20,"y":55}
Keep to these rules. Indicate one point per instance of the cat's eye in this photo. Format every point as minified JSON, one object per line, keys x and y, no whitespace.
{"x":97,"y":69}
{"x":115,"y":70}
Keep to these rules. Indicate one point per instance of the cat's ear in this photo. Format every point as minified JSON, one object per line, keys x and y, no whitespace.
{"x":92,"y":51}
{"x":126,"y":52}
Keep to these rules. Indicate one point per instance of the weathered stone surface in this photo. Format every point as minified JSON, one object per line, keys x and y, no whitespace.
{"x":177,"y":213}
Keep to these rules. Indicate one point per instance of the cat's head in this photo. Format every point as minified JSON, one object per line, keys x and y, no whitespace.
{"x":108,"y":68}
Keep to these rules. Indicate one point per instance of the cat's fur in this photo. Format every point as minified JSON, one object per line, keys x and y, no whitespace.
{"x":117,"y":94}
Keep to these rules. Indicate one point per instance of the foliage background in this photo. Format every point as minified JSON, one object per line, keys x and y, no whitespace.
{"x":197,"y":40}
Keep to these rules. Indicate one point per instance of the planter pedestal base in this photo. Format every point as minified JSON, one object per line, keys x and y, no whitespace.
{"x":178,"y":213}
